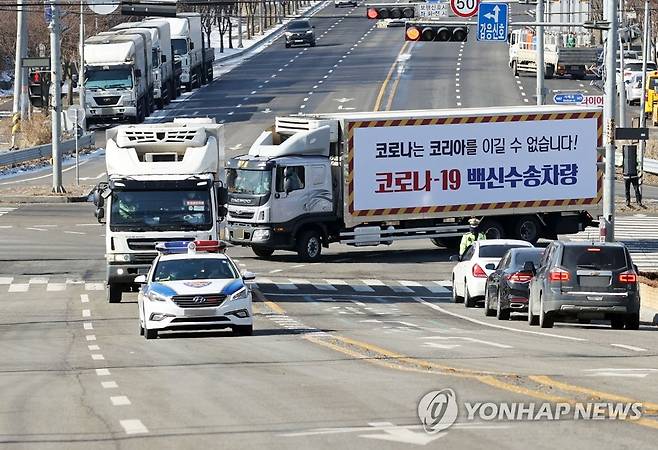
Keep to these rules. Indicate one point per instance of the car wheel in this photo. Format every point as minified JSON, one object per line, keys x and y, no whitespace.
{"x":532,"y":319}
{"x":545,"y":319}
{"x":150,"y":334}
{"x":309,"y":246}
{"x":456,"y":298}
{"x":617,"y":322}
{"x":501,"y":314}
{"x":313,"y":44}
{"x":633,"y":321}
{"x":141,"y":329}
{"x":263,"y":252}
{"x":287,"y":45}
{"x":114,"y":293}
{"x":243,"y":330}
{"x":487,"y":307}
{"x":469,"y":302}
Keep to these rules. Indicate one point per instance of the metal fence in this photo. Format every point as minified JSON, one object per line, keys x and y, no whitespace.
{"x":43,"y":151}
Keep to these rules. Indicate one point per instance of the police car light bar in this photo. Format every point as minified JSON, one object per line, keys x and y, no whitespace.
{"x":172,"y":247}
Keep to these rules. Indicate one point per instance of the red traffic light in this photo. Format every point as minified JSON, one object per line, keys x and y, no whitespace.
{"x":36,"y":77}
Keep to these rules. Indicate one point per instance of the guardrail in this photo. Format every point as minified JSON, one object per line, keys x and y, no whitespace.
{"x":43,"y":151}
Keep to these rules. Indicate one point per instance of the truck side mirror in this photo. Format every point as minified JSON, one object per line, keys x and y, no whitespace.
{"x":222,"y":195}
{"x":100,"y":214}
{"x":138,"y":73}
{"x":287,"y":185}
{"x":191,"y":45}
{"x":99,"y":201}
{"x":163,"y":58}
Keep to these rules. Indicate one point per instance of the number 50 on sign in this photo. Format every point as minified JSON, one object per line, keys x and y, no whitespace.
{"x":464,"y":8}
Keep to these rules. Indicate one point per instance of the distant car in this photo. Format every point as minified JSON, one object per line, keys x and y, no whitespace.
{"x":634,"y":89}
{"x":469,"y":276}
{"x":633,"y":67}
{"x":585,"y":281}
{"x":300,"y":32}
{"x":507,"y":287}
{"x":339,"y":3}
{"x":194,"y":285}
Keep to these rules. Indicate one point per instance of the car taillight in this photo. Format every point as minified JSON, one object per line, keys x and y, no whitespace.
{"x":519,"y":277}
{"x":628,"y":277}
{"x":559,"y":275}
{"x":478,"y":272}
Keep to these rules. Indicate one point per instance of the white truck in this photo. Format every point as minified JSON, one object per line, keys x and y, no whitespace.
{"x":165,"y":183}
{"x":187,"y":41}
{"x":116,"y":79}
{"x":559,"y":59}
{"x":164,"y":85}
{"x":375,"y":177}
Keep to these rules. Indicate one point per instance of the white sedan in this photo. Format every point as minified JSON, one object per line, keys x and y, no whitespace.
{"x":194,"y":286}
{"x":469,"y":276}
{"x":634,"y":89}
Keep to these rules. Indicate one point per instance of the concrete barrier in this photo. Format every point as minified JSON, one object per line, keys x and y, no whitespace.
{"x":43,"y":151}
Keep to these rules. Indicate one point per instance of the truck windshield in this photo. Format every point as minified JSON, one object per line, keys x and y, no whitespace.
{"x":254,"y":182}
{"x":109,"y":79}
{"x":161,"y":210}
{"x":179,"y":46}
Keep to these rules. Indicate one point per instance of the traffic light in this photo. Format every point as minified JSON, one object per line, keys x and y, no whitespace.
{"x":435,"y":32}
{"x":155,"y":8}
{"x":38,"y":88}
{"x":390,"y":11}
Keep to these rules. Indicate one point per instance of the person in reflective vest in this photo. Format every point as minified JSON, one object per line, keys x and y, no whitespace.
{"x":474,"y":234}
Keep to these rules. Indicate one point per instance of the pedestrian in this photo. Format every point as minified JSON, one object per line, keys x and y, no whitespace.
{"x":631,"y":177}
{"x":474,"y":234}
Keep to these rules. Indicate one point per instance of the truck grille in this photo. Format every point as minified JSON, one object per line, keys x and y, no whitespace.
{"x":199,"y":301}
{"x":178,"y":136}
{"x":107,"y":101}
{"x":242,"y":214}
{"x":149,"y":244}
{"x":144,"y":258}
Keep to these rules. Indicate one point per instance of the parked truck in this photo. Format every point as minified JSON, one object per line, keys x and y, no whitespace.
{"x":116,"y":81}
{"x":376,"y":177}
{"x":164,"y":86}
{"x":165,"y":183}
{"x":196,"y":59}
{"x":559,"y":59}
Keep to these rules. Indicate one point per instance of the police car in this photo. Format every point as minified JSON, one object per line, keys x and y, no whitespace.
{"x":194,"y":285}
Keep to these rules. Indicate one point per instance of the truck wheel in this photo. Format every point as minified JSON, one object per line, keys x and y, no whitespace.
{"x":243,"y":330}
{"x":188,"y":86}
{"x":493,"y":229}
{"x":159,"y":103}
{"x":309,"y":246}
{"x":114,"y":293}
{"x":262,"y":252}
{"x":527,"y":228}
{"x":515,"y":68}
{"x":549,"y":72}
{"x":211,"y":74}
{"x":203,"y":76}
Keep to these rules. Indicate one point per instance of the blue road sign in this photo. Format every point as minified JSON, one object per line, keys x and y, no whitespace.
{"x":569,"y":97}
{"x":493,"y":22}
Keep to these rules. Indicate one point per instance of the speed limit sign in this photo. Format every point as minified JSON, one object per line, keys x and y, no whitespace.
{"x":465,"y":8}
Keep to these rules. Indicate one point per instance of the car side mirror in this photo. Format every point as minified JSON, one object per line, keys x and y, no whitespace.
{"x":248,"y":276}
{"x":637,"y":270}
{"x":163,"y":58}
{"x":313,"y":26}
{"x":529,"y":266}
{"x":140,"y":279}
{"x":100,"y":214}
{"x":455,"y":258}
{"x":490,"y":266}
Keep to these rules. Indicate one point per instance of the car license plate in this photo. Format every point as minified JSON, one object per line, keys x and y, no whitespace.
{"x":238,"y":233}
{"x":594,"y":297}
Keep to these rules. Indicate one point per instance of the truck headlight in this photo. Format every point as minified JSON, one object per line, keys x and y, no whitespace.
{"x":242,"y":294}
{"x":261,"y":235}
{"x":155,"y":297}
{"x":118,"y":257}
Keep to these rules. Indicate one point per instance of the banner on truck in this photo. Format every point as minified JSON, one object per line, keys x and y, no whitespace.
{"x":473,"y":163}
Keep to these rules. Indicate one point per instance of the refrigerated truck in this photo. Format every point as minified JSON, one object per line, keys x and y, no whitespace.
{"x":372,"y":178}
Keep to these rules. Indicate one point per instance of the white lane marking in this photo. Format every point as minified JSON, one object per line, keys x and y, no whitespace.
{"x":84,"y":298}
{"x":297,"y":266}
{"x":478,"y":341}
{"x":459,"y":104}
{"x":523,"y":94}
{"x":457,"y":91}
{"x":74,"y":232}
{"x":133,"y":426}
{"x":56,"y":287}
{"x":90,"y":337}
{"x":103,"y":372}
{"x":109,"y":384}
{"x":299,"y":281}
{"x":281,"y":70}
{"x":6,"y":280}
{"x":230,"y":113}
{"x":97,"y":357}
{"x":86,"y":313}
{"x":276,"y":270}
{"x":286,"y":286}
{"x":94,"y":286}
{"x":458,"y":97}
{"x":457,"y":85}
{"x":38,"y":280}
{"x":93,"y":348}
{"x":491,"y":325}
{"x":630,"y":347}
{"x":6,"y":227}
{"x":87,"y":326}
{"x":526,"y":100}
{"x":373,"y":282}
{"x":36,"y":229}
{"x":410,"y":283}
{"x":19,"y":287}
{"x":119,"y":400}
{"x":336,"y":282}
{"x":253,"y":92}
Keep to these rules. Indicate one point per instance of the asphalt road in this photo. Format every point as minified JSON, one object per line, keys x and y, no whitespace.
{"x":343,"y":350}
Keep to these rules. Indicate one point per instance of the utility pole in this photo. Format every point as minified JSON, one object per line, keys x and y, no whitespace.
{"x":56,"y":89}
{"x":81,"y":71}
{"x":240,"y":45}
{"x":643,"y":99}
{"x":622,"y":84}
{"x":610,"y":11}
{"x":19,"y":79}
{"x":539,"y":16}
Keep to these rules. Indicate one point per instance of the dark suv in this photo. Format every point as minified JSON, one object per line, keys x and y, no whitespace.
{"x":300,"y":32}
{"x":585,"y":281}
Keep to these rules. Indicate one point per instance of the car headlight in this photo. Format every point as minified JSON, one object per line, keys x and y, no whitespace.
{"x":309,"y":32}
{"x":261,"y":235}
{"x":118,"y":257}
{"x":155,"y":297}
{"x":242,"y":294}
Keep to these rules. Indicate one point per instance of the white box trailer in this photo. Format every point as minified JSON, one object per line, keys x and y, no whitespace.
{"x":374,"y":177}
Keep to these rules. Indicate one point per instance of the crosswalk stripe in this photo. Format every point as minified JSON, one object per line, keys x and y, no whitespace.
{"x":56,"y":287}
{"x":373,"y":282}
{"x":38,"y":280}
{"x":19,"y":287}
{"x":400,"y":288}
{"x":324,"y":287}
{"x":336,"y":282}
{"x":6,"y":280}
{"x":361,"y":288}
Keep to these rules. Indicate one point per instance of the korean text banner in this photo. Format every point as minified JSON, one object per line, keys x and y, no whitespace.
{"x":473,"y":163}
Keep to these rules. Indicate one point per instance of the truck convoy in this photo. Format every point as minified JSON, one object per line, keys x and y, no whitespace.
{"x":373,"y":178}
{"x":138,"y":66}
{"x":187,"y":40}
{"x":165,"y":183}
{"x":559,"y":59}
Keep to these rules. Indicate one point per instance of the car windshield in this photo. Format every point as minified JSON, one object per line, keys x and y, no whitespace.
{"x":194,"y":269}
{"x":495,"y":251}
{"x":161,"y":210}
{"x":594,"y":258}
{"x":254,"y":182}
{"x":299,"y":25}
{"x":179,"y":46}
{"x":636,"y":67}
{"x":531,"y":255}
{"x":109,"y":79}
